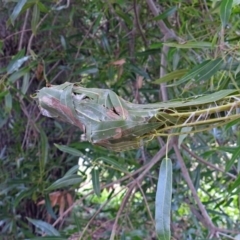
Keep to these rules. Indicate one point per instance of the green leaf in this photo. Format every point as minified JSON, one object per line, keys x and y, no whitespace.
{"x":44,"y":226}
{"x":24,"y":194}
{"x":49,"y":238}
{"x":96,"y":182}
{"x":124,"y":16}
{"x":63,"y":42}
{"x":17,"y":10}
{"x":235,"y":184}
{"x":171,"y":76}
{"x":189,"y":45}
{"x":235,"y":155}
{"x":86,"y":70}
{"x":64,"y":182}
{"x":25,"y":84}
{"x":43,"y":8}
{"x":112,"y":162}
{"x":72,"y":171}
{"x":8,"y":102}
{"x":44,"y":147}
{"x":1,"y":47}
{"x":203,"y":71}
{"x":225,"y":11}
{"x":163,"y":200}
{"x":97,"y":23}
{"x":165,"y":14}
{"x":15,"y":64}
{"x":48,"y":206}
{"x":18,"y":74}
{"x":35,"y":18}
{"x":69,"y":150}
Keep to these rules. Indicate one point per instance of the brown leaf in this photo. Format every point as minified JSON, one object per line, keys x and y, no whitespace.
{"x":119,"y":62}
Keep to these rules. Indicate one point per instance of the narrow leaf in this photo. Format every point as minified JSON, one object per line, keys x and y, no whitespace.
{"x":189,"y":45}
{"x":171,"y":76}
{"x":44,"y":148}
{"x":225,"y":11}
{"x":203,"y":71}
{"x":96,"y":182}
{"x":235,"y":155}
{"x":165,"y":14}
{"x":8,"y":102}
{"x":17,"y":10}
{"x":65,"y":181}
{"x":69,"y":150}
{"x":44,"y":226}
{"x":163,"y":200}
{"x":235,"y":184}
{"x":35,"y":18}
{"x":16,"y":64}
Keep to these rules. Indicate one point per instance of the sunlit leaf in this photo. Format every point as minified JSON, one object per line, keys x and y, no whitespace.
{"x":17,"y":9}
{"x":35,"y":18}
{"x":229,"y":164}
{"x":171,"y":76}
{"x":203,"y":71}
{"x":14,"y":65}
{"x":163,"y":200}
{"x":189,"y":45}
{"x":235,"y":184}
{"x":225,"y":11}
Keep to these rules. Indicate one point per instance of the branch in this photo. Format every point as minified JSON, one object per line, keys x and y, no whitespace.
{"x":207,"y":219}
{"x":168,"y":33}
{"x":210,"y":165}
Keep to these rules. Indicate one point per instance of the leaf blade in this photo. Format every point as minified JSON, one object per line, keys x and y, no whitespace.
{"x":163,"y":200}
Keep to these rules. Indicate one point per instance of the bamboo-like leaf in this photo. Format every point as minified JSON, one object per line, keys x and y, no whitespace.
{"x":171,"y":76}
{"x":112,"y":162}
{"x":16,"y":11}
{"x":69,"y":150}
{"x":189,"y":45}
{"x":16,"y":63}
{"x":64,"y":182}
{"x":97,"y":23}
{"x":49,"y":207}
{"x":235,"y":156}
{"x":163,"y":200}
{"x":44,"y":147}
{"x":44,"y":227}
{"x":96,"y":182}
{"x":35,"y":18}
{"x":8,"y":102}
{"x":225,"y":11}
{"x":204,"y":71}
{"x":165,"y":14}
{"x":235,"y":184}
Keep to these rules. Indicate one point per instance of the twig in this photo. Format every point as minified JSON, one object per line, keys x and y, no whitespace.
{"x":167,"y":147}
{"x":136,"y":9}
{"x":23,"y":30}
{"x":168,"y":33}
{"x":201,"y":160}
{"x":187,"y":178}
{"x":96,"y":213}
{"x":124,"y":202}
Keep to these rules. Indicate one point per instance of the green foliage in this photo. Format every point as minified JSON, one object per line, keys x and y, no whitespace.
{"x":46,"y":166}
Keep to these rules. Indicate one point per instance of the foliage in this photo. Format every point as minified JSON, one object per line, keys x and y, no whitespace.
{"x":51,"y":180}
